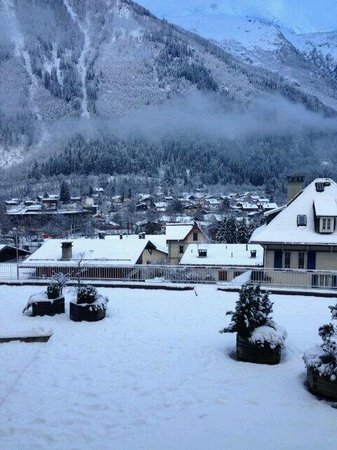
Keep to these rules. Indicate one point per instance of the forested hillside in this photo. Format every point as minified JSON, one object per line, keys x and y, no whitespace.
{"x":71,"y":70}
{"x":256,"y":161}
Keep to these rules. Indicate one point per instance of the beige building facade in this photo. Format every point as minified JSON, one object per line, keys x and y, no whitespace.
{"x":179,"y":236}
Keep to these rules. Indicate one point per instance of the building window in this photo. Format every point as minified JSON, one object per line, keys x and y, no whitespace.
{"x":278,"y":259}
{"x":301,"y":260}
{"x":327,"y":225}
{"x":287,"y":260}
{"x":222,"y":275}
{"x":181,"y":249}
{"x":195,"y":236}
{"x":301,"y":220}
{"x":237,"y":273}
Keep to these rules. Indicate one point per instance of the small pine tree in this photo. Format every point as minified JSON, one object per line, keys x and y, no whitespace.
{"x":252,"y":310}
{"x":230,"y":233}
{"x":64,"y":192}
{"x":220,"y":234}
{"x":242,"y":233}
{"x":323,"y":358}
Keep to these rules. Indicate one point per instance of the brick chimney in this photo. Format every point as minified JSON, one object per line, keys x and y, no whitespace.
{"x":67,"y":250}
{"x":295,"y":185}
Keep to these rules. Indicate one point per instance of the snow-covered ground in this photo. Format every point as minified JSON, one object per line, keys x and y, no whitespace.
{"x":156,"y":374}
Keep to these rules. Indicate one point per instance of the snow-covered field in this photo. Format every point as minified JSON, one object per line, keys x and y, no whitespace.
{"x":156,"y":374}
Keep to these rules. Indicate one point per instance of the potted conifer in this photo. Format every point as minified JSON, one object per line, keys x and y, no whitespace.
{"x":259,"y":339}
{"x":89,"y":305}
{"x":49,"y":302}
{"x":321,"y":361}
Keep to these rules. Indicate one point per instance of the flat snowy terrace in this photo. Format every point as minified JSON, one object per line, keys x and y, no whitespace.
{"x":156,"y":374}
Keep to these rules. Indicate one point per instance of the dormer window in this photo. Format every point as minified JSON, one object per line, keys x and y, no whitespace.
{"x":202,"y":253}
{"x":326,"y":224}
{"x":301,"y":220}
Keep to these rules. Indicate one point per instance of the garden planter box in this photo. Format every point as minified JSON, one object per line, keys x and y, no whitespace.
{"x":48,"y":307}
{"x":249,"y":352}
{"x":321,"y":385}
{"x":89,"y":312}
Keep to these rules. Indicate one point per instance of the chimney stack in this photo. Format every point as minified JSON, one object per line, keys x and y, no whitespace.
{"x":67,"y":250}
{"x":295,"y":185}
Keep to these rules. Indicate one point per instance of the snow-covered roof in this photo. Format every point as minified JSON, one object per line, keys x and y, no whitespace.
{"x":223,"y":255}
{"x":328,"y":209}
{"x":247,"y":205}
{"x":270,"y":206}
{"x":283,"y":228}
{"x":4,"y":246}
{"x":159,"y":240}
{"x":96,"y":251}
{"x":177,"y":231}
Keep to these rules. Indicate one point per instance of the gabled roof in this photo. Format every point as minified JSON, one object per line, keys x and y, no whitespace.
{"x":21,"y":251}
{"x":326,"y":209}
{"x":283,"y":228}
{"x":179,"y":231}
{"x":223,"y":255}
{"x":100,"y":252}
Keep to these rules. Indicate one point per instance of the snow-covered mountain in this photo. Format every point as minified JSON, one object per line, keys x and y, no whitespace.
{"x":68,"y":65}
{"x":205,"y":16}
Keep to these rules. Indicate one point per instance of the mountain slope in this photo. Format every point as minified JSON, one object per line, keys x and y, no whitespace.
{"x":78,"y":60}
{"x":302,"y":16}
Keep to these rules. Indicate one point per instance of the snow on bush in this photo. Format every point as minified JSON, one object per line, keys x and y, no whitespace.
{"x":273,"y":335}
{"x":323,"y":358}
{"x":87,"y":294}
{"x":252,"y":318}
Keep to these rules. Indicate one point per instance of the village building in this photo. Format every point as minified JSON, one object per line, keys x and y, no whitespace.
{"x":97,"y":258}
{"x":179,"y":235}
{"x":228,"y":260}
{"x":9,"y":253}
{"x":303,"y":234}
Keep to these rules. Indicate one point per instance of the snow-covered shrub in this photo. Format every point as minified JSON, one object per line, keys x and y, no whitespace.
{"x":53,"y":291}
{"x":86,"y":294}
{"x":252,"y":318}
{"x":58,"y":282}
{"x":323,"y":358}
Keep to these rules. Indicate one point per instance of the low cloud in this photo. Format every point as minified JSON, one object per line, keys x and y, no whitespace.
{"x":202,"y":115}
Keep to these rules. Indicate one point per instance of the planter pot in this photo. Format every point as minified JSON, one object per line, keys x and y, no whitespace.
{"x":321,"y":385}
{"x":86,"y":311}
{"x":246,"y":351}
{"x":48,"y":307}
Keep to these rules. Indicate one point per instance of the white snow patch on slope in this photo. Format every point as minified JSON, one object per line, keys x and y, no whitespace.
{"x":11,"y":156}
{"x":304,"y":16}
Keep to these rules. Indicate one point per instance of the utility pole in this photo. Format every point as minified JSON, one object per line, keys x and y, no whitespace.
{"x":16,"y":251}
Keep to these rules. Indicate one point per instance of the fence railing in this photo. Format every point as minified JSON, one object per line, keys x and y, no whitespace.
{"x":181,"y":274}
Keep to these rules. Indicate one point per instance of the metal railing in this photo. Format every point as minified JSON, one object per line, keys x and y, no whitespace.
{"x":235,"y":276}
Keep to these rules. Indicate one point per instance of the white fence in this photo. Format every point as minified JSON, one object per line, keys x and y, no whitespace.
{"x":234,"y":276}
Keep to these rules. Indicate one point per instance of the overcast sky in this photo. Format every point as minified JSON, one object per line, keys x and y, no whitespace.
{"x":303,"y":16}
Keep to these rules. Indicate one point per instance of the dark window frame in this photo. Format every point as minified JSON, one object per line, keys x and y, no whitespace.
{"x":301,"y":220}
{"x":301,"y":260}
